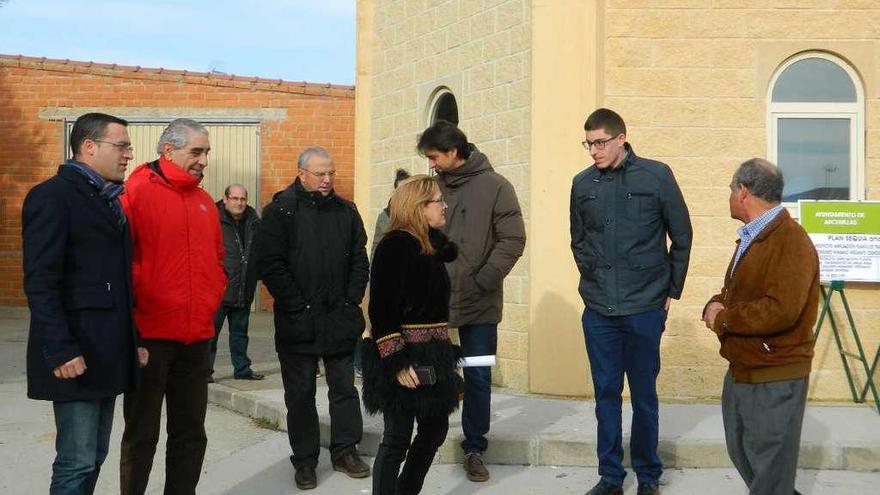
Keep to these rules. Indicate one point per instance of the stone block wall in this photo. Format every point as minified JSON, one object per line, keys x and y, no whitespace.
{"x":691,"y":79}
{"x":480,"y":51}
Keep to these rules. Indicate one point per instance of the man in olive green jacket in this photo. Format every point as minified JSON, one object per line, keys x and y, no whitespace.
{"x":485,"y":221}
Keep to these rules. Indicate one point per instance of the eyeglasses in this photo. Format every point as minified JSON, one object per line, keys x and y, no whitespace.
{"x":322,"y":175}
{"x":599,"y":143}
{"x":120,"y":146}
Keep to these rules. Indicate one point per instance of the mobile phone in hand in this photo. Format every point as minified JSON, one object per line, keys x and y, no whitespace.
{"x":426,"y":375}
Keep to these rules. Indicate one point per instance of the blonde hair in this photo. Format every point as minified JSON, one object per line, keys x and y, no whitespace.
{"x":406,"y":208}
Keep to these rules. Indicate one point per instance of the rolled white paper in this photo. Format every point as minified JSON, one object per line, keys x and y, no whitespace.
{"x":473,"y":361}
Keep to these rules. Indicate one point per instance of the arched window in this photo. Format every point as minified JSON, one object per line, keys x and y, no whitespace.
{"x":443,"y":107}
{"x":816,"y":128}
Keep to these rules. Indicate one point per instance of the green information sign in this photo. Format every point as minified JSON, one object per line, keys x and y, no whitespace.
{"x":847,"y":237}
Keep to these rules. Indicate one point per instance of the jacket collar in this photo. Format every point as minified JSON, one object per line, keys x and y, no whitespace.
{"x":625,"y":164}
{"x":174,"y":175}
{"x":477,"y":163}
{"x":83,"y":186}
{"x":312,"y":198}
{"x":249,"y":213}
{"x":773,"y":225}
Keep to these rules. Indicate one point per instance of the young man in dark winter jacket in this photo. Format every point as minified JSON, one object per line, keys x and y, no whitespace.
{"x":77,"y":278}
{"x":485,"y":221}
{"x":239,"y":222}
{"x":623,"y":208}
{"x":311,"y":254}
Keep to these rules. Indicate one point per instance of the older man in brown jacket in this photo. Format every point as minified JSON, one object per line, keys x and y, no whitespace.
{"x":764,"y":318}
{"x":485,"y":221}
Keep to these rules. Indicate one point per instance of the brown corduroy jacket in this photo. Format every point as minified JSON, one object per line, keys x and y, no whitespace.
{"x":771,"y":302}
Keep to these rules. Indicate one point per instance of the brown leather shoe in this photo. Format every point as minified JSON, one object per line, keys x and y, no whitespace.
{"x":352,"y":465}
{"x":473,"y":465}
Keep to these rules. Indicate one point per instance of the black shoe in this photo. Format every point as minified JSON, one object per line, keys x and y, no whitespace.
{"x":210,"y":378}
{"x":603,"y":488}
{"x":352,"y":465}
{"x":305,"y":478}
{"x":476,"y":470}
{"x":250,"y":375}
{"x":648,"y":489}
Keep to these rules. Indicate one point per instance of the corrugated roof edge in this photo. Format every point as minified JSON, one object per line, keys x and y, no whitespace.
{"x":185,"y":76}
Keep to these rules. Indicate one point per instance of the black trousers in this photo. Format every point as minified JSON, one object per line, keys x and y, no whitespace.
{"x":178,"y":374}
{"x":346,"y":425}
{"x":388,"y":478}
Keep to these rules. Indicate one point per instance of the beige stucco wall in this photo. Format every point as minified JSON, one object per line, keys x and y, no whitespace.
{"x":478,"y":49}
{"x":691,"y":82}
{"x":565,"y":85}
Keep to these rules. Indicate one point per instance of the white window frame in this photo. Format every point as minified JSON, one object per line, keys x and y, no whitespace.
{"x":431,"y":114}
{"x":853,"y":111}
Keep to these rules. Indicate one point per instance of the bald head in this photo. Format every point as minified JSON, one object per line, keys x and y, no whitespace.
{"x":235,"y":199}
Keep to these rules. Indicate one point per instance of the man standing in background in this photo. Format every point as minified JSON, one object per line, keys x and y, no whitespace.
{"x":239,"y":222}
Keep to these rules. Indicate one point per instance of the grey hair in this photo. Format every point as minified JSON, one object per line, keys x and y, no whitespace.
{"x":761,"y":178}
{"x":177,"y":133}
{"x":308,"y":153}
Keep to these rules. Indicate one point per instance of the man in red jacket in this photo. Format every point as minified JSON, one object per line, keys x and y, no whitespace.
{"x":178,"y":281}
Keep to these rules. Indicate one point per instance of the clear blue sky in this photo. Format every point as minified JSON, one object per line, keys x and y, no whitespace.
{"x":296,"y":40}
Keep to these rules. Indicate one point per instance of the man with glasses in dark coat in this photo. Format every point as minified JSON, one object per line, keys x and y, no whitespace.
{"x":77,"y":278}
{"x":311,"y":254}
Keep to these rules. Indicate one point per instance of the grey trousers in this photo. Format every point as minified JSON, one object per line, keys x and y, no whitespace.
{"x":762,"y":425}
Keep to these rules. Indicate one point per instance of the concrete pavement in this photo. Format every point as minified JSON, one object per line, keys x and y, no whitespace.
{"x":538,"y":445}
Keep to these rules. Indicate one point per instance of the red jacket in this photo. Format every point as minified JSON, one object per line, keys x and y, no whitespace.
{"x":177,"y":269}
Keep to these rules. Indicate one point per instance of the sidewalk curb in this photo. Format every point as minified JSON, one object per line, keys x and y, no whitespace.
{"x":557,"y":449}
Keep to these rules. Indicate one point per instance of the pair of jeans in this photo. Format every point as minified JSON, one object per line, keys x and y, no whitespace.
{"x":303,"y":430}
{"x":388,"y":478}
{"x":238,"y":338}
{"x":477,"y":340}
{"x":178,"y":374}
{"x":618,"y":345}
{"x":81,"y":445}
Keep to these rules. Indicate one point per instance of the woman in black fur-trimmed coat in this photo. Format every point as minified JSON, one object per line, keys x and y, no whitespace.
{"x":409,"y":307}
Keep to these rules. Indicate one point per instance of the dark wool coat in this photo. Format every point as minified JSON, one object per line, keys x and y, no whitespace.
{"x":77,"y":278}
{"x":311,"y":252}
{"x":409,"y":288}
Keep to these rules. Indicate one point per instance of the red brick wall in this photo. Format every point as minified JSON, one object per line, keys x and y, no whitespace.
{"x":32,"y":147}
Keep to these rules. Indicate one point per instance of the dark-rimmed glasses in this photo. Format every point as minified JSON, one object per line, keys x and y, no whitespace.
{"x":599,"y":143}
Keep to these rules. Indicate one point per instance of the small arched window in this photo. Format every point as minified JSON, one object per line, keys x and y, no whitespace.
{"x":816,"y":124}
{"x":444,"y":107}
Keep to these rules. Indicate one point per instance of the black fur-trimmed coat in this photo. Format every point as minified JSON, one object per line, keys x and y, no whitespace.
{"x":408,"y":287}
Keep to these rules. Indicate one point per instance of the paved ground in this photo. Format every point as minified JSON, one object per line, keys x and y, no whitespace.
{"x":245,"y":459}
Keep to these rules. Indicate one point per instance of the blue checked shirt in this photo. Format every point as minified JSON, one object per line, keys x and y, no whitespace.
{"x":749,"y":231}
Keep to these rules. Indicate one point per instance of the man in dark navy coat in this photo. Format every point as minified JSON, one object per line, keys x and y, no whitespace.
{"x":82,"y":346}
